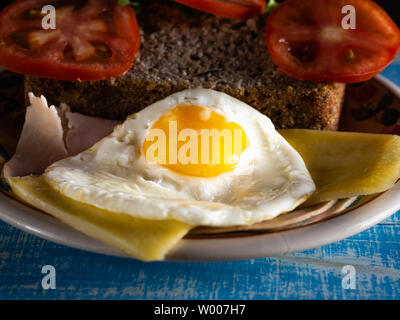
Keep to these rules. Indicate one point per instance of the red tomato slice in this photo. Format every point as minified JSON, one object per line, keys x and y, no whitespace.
{"x":307,"y":41}
{"x":93,"y":39}
{"x":236,"y":9}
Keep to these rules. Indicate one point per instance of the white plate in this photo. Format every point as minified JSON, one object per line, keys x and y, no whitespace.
{"x":229,"y":248}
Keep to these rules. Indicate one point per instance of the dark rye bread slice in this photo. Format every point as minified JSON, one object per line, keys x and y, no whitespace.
{"x":186,"y":49}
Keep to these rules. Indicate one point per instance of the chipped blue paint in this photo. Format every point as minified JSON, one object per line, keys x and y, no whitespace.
{"x":312,"y":274}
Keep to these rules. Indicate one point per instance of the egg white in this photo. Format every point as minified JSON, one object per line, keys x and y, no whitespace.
{"x":270,"y":178}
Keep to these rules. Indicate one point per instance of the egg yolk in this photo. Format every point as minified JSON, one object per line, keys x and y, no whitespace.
{"x":195,"y":141}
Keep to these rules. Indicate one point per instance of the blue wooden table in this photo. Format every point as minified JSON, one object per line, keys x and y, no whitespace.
{"x":320,"y":273}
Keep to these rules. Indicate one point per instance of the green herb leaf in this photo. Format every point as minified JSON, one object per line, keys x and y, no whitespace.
{"x":136,"y":5}
{"x":272,"y":4}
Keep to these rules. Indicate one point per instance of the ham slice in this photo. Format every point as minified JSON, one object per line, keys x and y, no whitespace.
{"x":84,"y":131}
{"x":50,"y":134}
{"x":41,"y":142}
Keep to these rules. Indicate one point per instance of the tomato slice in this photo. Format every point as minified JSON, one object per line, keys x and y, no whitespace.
{"x":307,"y":41}
{"x":93,"y":39}
{"x":235,"y":9}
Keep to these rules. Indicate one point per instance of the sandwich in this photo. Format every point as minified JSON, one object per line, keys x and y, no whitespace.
{"x":219,"y":120}
{"x":182,"y":49}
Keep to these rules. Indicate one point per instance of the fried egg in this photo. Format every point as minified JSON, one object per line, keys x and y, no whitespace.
{"x":198,"y":156}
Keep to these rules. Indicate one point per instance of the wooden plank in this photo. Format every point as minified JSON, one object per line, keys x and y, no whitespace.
{"x":313,"y":274}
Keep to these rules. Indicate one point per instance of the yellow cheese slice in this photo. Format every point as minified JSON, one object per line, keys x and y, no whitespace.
{"x":346,"y":164}
{"x":146,"y":240}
